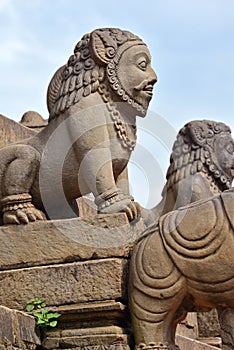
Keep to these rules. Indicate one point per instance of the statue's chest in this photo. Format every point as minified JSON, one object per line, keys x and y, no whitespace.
{"x":122,"y":139}
{"x":200,"y":241}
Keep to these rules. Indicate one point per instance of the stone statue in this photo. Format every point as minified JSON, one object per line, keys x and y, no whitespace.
{"x":93,"y":102}
{"x":200,"y":165}
{"x":184,"y":262}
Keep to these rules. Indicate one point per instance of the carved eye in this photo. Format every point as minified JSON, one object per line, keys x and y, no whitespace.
{"x":142,"y":64}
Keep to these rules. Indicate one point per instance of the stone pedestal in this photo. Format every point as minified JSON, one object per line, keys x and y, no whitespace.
{"x":81,"y":268}
{"x":93,"y":325}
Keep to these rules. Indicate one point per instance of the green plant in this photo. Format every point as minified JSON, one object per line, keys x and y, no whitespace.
{"x":44,"y":318}
{"x":35,"y":303}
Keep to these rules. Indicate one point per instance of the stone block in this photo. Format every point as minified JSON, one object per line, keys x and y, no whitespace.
{"x":7,"y":325}
{"x":50,"y":242}
{"x":103,"y":279}
{"x":17,"y":329}
{"x":188,"y":327}
{"x":94,"y":324}
{"x":27,"y":328}
{"x":191,"y":344}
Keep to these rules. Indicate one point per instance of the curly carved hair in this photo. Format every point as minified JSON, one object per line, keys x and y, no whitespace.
{"x":193,"y":152}
{"x":86,"y":68}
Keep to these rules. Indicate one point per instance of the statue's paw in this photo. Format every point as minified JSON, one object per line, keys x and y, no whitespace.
{"x":23,"y":216}
{"x":123,"y":204}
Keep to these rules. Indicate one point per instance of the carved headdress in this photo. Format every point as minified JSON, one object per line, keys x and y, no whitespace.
{"x":193,"y":152}
{"x":95,"y":57}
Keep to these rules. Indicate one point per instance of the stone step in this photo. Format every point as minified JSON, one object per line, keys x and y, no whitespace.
{"x":192,"y":344}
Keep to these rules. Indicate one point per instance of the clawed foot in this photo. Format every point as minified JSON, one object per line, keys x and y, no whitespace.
{"x":123,"y":204}
{"x":23,"y":216}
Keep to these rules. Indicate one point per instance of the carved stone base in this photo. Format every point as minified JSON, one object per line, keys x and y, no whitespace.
{"x":81,"y":268}
{"x":91,"y":326}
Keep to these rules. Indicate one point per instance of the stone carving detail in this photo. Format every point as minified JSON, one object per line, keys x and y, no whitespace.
{"x":93,"y":102}
{"x":185,"y":262}
{"x":201,"y":165}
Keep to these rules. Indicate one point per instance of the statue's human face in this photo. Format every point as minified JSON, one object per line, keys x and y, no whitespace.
{"x":136,"y":75}
{"x":224,"y":150}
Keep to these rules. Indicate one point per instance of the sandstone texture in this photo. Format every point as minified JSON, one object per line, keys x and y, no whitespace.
{"x":11,"y":132}
{"x":17,"y":330}
{"x":51,"y":242}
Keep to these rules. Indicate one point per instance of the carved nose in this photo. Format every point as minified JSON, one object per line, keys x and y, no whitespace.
{"x":153,"y":76}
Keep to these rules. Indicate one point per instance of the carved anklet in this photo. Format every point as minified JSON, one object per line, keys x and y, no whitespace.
{"x":110,"y":197}
{"x":16,"y":201}
{"x":152,"y":346}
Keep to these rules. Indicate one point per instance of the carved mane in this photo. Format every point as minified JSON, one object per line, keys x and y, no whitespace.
{"x":95,"y":56}
{"x":78,"y":78}
{"x":193,"y":152}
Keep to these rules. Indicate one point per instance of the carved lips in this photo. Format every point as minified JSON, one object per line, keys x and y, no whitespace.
{"x":148,"y":89}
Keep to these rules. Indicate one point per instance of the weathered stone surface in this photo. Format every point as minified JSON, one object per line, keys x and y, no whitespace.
{"x":186,"y":260}
{"x":7,"y":319}
{"x":48,"y":242}
{"x":213,"y":341}
{"x":11,"y":131}
{"x":17,"y":330}
{"x":27,"y":328}
{"x":33,"y":120}
{"x":208,"y":324}
{"x":87,"y":154}
{"x":65,"y":283}
{"x":191,"y":344}
{"x":91,"y":325}
{"x":188,"y":327}
{"x":86,"y":207}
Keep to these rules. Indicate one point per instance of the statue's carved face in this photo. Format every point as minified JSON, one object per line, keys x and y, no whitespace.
{"x":224,"y":152}
{"x":136,"y":75}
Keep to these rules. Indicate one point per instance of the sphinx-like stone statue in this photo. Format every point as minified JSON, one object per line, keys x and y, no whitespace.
{"x":185,"y":262}
{"x":93,"y":102}
{"x":200,"y":165}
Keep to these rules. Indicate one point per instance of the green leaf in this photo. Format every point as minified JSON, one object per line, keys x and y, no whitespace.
{"x":40,"y":322}
{"x":53,"y":323}
{"x":29,"y":307}
{"x":41,"y":300}
{"x":53,"y":315}
{"x":44,"y":311}
{"x":38,"y":314}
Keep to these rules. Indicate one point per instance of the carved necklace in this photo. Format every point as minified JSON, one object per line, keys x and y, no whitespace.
{"x":119,"y":124}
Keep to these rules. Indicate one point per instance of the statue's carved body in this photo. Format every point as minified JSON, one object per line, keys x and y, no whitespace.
{"x":185,"y":261}
{"x":93,"y":101}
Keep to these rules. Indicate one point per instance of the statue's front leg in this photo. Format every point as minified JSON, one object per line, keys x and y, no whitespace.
{"x":19,"y":165}
{"x":114,"y":197}
{"x":97,"y":171}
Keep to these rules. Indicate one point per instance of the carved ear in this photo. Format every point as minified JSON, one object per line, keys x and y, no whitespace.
{"x":103,"y":47}
{"x":199,"y":132}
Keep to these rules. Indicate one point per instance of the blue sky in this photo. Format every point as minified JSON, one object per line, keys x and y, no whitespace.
{"x":191,"y":43}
